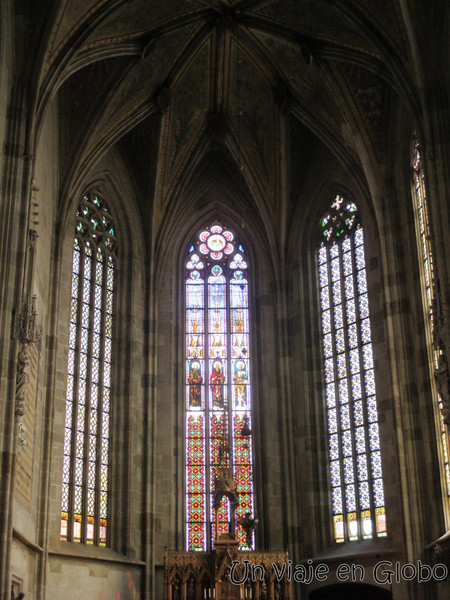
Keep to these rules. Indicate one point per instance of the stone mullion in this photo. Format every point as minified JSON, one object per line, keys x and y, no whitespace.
{"x":230,"y":412}
{"x":229,"y":415}
{"x":351,"y":400}
{"x":363,"y":384}
{"x":88,"y":397}
{"x":75,"y":397}
{"x":337,"y":401}
{"x":208,"y":418}
{"x":349,"y":390}
{"x":100,"y":392}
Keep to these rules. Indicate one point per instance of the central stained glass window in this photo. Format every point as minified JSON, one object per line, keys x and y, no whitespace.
{"x":354,"y":441}
{"x":217,"y":385}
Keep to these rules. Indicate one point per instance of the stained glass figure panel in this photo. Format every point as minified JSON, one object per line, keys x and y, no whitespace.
{"x":239,"y":293}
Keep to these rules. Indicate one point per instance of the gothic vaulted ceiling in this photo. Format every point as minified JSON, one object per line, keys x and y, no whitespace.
{"x":185,"y":87}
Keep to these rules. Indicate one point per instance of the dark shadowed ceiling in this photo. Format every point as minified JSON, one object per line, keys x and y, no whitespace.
{"x":188,"y":89}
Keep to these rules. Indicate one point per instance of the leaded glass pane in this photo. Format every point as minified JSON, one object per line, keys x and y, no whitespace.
{"x":367,"y":357}
{"x":376,"y":464}
{"x":69,"y":415}
{"x":335,"y":270}
{"x":364,"y":495}
{"x":334,"y":250}
{"x":331,"y":395}
{"x":325,"y":298}
{"x":363,"y":472}
{"x":323,"y":275}
{"x":365,"y":331}
{"x":354,"y":361}
{"x":238,"y":292}
{"x":347,"y":264}
{"x":345,"y":416}
{"x":343,"y":391}
{"x":360,"y":263}
{"x":341,"y":366}
{"x":349,"y":475}
{"x":352,"y":336}
{"x":335,"y":466}
{"x":322,"y":255}
{"x":378,"y":492}
{"x":374,"y":436}
{"x":363,"y":306}
{"x":337,"y":500}
{"x":329,"y":370}
{"x":360,"y":440}
{"x":372,"y":412}
{"x":370,"y":382}
{"x":349,"y":287}
{"x":347,"y":446}
{"x":340,"y":341}
{"x":350,"y":497}
{"x":351,"y":311}
{"x":71,"y":362}
{"x":326,"y":321}
{"x":361,"y":278}
{"x":334,"y":447}
{"x":332,"y":421}
{"x":358,"y":414}
{"x":337,"y":292}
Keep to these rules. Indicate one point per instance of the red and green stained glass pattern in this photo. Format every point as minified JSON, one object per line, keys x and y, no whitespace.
{"x":427,"y":282}
{"x":354,"y":447}
{"x":218,"y":386}
{"x":84,"y":508}
{"x":242,"y":472}
{"x":195,"y":440}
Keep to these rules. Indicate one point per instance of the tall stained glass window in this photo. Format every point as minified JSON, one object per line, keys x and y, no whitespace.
{"x":84,"y":509}
{"x":428,"y":294}
{"x":354,"y":441}
{"x":217,"y":388}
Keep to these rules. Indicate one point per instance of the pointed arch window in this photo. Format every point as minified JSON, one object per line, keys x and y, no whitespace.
{"x":84,"y":508}
{"x":217,"y":386}
{"x":354,"y":443}
{"x":427,"y":279}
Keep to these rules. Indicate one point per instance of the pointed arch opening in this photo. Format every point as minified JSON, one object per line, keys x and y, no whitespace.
{"x":218,"y":391}
{"x":353,"y":435}
{"x":85,"y":481}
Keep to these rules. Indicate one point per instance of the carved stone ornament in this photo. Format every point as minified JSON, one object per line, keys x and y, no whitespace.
{"x":31,"y":239}
{"x":29,"y":335}
{"x":26,"y":326}
{"x":23,"y":377}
